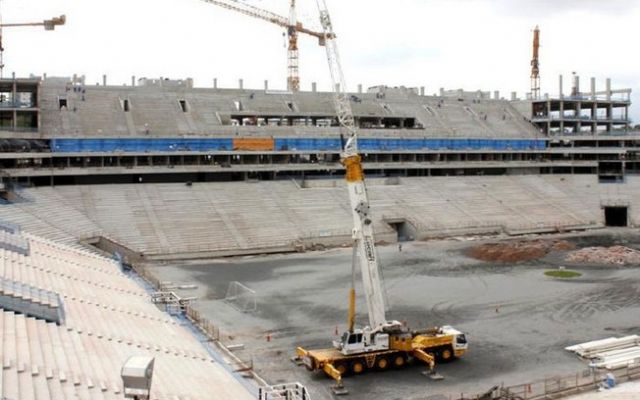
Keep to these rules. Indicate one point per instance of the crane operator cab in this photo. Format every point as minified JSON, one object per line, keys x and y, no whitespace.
{"x":362,"y":341}
{"x":460,"y":343}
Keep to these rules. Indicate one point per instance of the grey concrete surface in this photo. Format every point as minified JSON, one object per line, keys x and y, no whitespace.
{"x":302,"y":298}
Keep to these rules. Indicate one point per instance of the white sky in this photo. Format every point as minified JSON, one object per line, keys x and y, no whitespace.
{"x":470,"y":44}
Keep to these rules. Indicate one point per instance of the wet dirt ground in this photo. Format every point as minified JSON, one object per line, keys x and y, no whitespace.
{"x":517,"y":320}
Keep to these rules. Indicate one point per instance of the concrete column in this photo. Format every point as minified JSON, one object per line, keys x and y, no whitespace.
{"x":360,"y":88}
{"x":266,"y":85}
{"x":441,"y":92}
{"x":314,"y":87}
{"x":104,"y":80}
{"x":13,"y":76}
{"x":608,"y":88}
{"x":215,"y":83}
{"x":576,"y":86}
{"x":514,"y":96}
{"x":133,"y":80}
{"x":44,"y":76}
{"x":240,"y":84}
{"x":496,"y":95}
{"x":560,"y":87}
{"x":593,"y":88}
{"x":422,"y":90}
{"x":338,"y":87}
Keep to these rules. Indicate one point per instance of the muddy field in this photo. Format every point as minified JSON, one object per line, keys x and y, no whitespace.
{"x":518,"y":321}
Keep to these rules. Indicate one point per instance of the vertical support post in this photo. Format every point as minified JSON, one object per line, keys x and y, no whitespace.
{"x":360,"y":88}
{"x":215,"y":83}
{"x":314,"y":87}
{"x":104,"y":80}
{"x":593,"y":88}
{"x":266,"y":85}
{"x":608,"y":89}
{"x":240,"y":84}
{"x":560,"y":87}
{"x":133,"y":80}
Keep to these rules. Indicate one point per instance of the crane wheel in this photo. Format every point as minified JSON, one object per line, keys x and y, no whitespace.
{"x":446,"y":354}
{"x":357,"y":367}
{"x":342,"y":368}
{"x":382,"y":363}
{"x":399,"y":361}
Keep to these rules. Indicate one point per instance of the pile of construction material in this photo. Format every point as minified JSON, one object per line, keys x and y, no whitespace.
{"x":610,"y":353}
{"x":614,"y":255}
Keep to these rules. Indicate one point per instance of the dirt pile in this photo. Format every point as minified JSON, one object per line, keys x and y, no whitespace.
{"x":518,"y":251}
{"x":614,"y":255}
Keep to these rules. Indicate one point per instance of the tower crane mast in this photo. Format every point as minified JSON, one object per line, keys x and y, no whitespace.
{"x":535,"y":65}
{"x":290,"y":23}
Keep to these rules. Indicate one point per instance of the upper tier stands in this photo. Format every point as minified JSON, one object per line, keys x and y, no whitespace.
{"x":162,"y":219}
{"x":108,"y":319}
{"x":99,"y":111}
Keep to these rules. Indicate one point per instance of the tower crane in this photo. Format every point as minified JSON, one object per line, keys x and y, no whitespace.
{"x":49,"y":25}
{"x":535,"y":65}
{"x":292,"y":26}
{"x":383,"y":343}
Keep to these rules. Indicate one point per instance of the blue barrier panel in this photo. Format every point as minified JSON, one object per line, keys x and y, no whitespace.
{"x":293,"y":144}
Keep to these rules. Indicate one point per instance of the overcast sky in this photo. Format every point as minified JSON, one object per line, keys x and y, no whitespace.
{"x":470,"y":44}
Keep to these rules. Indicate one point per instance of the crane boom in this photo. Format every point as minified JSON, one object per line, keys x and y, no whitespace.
{"x":49,"y":25}
{"x":363,"y":235}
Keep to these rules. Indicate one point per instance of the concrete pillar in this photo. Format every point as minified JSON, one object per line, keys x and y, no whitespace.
{"x":104,"y":80}
{"x":338,"y":87}
{"x":575,"y":90}
{"x":560,"y":87}
{"x":215,"y":83}
{"x":240,"y":84}
{"x":13,"y":76}
{"x":44,"y":76}
{"x":514,"y":96}
{"x":133,"y":80}
{"x":422,"y":90}
{"x":266,"y":85}
{"x":441,"y":92}
{"x":360,"y":88}
{"x":496,"y":95}
{"x":314,"y":87}
{"x":608,"y":88}
{"x":593,"y":88}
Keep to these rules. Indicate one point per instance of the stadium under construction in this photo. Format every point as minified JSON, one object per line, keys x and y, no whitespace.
{"x":210,"y":229}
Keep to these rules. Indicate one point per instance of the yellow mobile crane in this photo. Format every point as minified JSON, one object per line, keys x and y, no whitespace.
{"x":383,"y":344}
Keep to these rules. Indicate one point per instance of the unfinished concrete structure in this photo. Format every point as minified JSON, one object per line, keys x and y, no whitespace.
{"x":166,"y":131}
{"x":580,"y":113}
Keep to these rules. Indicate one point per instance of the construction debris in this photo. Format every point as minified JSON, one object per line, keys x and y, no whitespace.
{"x":518,"y":251}
{"x":610,"y":353}
{"x":614,"y":255}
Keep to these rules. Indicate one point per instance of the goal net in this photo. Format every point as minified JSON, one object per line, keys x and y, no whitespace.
{"x":241,"y":297}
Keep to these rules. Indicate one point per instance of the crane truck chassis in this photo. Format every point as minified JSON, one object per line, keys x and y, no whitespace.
{"x":438,"y":344}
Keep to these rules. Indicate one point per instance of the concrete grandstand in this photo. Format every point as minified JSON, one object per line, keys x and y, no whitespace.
{"x":159,"y":221}
{"x":108,"y":317}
